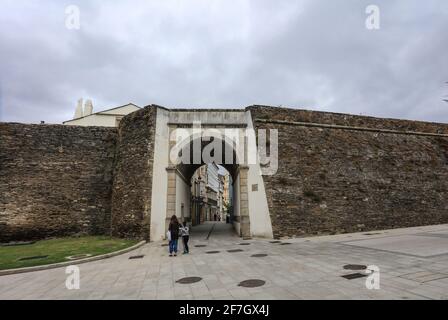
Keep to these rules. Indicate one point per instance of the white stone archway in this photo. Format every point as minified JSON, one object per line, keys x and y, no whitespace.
{"x":170,"y":179}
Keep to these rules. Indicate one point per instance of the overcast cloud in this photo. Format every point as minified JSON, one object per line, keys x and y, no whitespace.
{"x":228,"y":54}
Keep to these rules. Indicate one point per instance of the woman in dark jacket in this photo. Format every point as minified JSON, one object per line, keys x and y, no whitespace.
{"x":174,"y":231}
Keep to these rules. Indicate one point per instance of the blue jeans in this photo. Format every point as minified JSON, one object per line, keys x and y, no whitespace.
{"x":173,"y":246}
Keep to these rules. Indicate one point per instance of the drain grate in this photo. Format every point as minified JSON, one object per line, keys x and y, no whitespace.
{"x":212,"y":252}
{"x":352,"y":276}
{"x":137,"y":257}
{"x":259,"y":255}
{"x":285,"y":243}
{"x":251,"y":283}
{"x":165,"y":245}
{"x":235,"y":250}
{"x":200,"y":246}
{"x":33,"y":258}
{"x":275,"y":241}
{"x":371,"y":234}
{"x":355,"y":267}
{"x":189,"y":280}
{"x":244,"y":244}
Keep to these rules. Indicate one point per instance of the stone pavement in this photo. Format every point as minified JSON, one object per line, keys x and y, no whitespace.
{"x":413,"y":264}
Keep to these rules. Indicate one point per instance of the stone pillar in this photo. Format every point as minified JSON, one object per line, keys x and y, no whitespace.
{"x":244,"y":203}
{"x":171,"y":195}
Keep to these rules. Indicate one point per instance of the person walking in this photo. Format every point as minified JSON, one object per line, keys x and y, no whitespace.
{"x":185,"y":234}
{"x":174,"y":235}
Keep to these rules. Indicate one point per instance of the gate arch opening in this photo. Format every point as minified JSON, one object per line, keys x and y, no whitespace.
{"x":183,"y":203}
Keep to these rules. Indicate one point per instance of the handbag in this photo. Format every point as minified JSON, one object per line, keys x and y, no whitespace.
{"x":168,"y":235}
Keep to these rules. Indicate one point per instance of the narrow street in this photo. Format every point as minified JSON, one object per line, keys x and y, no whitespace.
{"x":211,"y":231}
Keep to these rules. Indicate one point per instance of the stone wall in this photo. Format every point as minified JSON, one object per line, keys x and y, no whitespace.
{"x":331,"y":118}
{"x":335,"y":180}
{"x":54,"y":180}
{"x":62,"y":180}
{"x":132,"y":188}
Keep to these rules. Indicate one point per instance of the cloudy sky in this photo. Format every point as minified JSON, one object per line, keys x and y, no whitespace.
{"x":314,"y":54}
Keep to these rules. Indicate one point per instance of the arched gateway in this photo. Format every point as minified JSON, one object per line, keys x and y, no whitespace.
{"x":170,"y":146}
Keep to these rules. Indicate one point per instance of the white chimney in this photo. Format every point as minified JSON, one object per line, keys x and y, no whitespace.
{"x":88,"y":108}
{"x":78,"y":110}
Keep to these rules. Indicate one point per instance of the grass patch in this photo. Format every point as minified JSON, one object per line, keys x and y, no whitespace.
{"x":57,"y":250}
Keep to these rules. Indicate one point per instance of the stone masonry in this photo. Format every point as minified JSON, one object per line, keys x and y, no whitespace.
{"x":333,"y":180}
{"x":132,"y":188}
{"x":54,"y":180}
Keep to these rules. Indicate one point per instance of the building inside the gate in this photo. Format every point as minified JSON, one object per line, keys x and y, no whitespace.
{"x":211,"y":197}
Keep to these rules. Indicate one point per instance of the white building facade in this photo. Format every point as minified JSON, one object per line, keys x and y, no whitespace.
{"x":107,"y":118}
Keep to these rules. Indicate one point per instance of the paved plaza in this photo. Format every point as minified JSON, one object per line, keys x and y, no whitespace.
{"x":413,"y":264}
